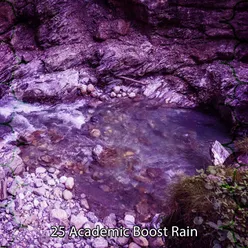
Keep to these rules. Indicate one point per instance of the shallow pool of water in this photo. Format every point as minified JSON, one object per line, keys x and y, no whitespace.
{"x":145,"y":148}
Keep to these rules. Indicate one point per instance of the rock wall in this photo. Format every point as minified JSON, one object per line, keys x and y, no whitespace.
{"x":187,"y":53}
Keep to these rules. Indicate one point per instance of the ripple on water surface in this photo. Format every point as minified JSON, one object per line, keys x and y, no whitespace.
{"x":144,"y":149}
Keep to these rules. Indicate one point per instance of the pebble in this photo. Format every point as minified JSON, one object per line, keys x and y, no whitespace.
{"x":133,"y":245}
{"x":51,"y":182}
{"x":112,"y":94}
{"x":58,"y":214}
{"x":96,"y":133}
{"x":84,"y":203}
{"x":78,"y":220}
{"x":100,"y":243}
{"x":69,"y":184}
{"x":67,"y":195}
{"x":40,"y":170}
{"x":63,"y":179}
{"x":40,"y":191}
{"x":117,"y":89}
{"x":131,"y":95}
{"x":141,"y":241}
{"x":122,"y":241}
{"x":68,"y":245}
{"x":90,"y":88}
{"x":83,"y":88}
{"x":36,"y":202}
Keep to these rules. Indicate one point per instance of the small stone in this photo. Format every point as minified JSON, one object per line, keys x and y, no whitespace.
{"x":131,"y":95}
{"x":36,"y":202}
{"x":67,"y":195}
{"x":21,"y":196}
{"x":40,"y":191}
{"x":96,"y":133}
{"x":69,"y":184}
{"x":85,"y":80}
{"x":92,"y":217}
{"x":141,"y":241}
{"x":90,"y":88}
{"x":129,"y":219}
{"x":112,"y":94}
{"x":133,"y":245}
{"x":57,"y":245}
{"x":119,"y":95}
{"x":51,"y":170}
{"x":117,"y":89}
{"x":78,"y":220}
{"x":38,"y":182}
{"x":122,"y":241}
{"x":63,"y":179}
{"x":83,"y":88}
{"x":51,"y":182}
{"x":110,"y":221}
{"x":124,"y":94}
{"x":68,"y":245}
{"x":40,"y":170}
{"x":98,"y":149}
{"x":58,"y":214}
{"x":84,"y":203}
{"x":100,"y":243}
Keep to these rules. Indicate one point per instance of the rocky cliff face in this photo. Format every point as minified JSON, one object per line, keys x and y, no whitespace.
{"x":188,"y":53}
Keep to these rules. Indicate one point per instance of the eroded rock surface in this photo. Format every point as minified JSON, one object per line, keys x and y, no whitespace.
{"x":178,"y":52}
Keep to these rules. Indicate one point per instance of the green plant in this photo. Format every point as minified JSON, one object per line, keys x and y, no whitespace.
{"x":214,"y":202}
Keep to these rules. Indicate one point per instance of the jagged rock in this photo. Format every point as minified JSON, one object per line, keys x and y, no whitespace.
{"x":218,"y":153}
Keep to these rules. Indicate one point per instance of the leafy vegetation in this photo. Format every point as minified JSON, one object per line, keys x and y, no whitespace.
{"x":214,"y":202}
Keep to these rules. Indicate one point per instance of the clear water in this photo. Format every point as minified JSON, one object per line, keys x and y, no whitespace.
{"x":147,"y":148}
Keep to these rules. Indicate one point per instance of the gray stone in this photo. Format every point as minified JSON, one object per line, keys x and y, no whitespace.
{"x":69,"y":184}
{"x":218,"y":153}
{"x":67,"y":195}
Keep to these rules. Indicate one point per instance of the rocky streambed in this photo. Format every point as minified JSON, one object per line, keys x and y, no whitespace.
{"x":96,"y":162}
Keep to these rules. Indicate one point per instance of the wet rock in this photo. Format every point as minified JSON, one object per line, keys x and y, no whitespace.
{"x":100,"y":243}
{"x":67,"y":195}
{"x":69,"y":184}
{"x":218,"y":153}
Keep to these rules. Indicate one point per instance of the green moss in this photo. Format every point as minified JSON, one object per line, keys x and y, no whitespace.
{"x":214,"y":202}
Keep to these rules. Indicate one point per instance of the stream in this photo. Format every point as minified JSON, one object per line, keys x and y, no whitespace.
{"x":123,"y":155}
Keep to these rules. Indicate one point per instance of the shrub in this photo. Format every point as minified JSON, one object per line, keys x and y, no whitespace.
{"x":215,"y":203}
